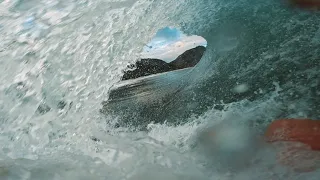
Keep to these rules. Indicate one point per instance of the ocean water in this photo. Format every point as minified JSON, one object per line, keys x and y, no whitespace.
{"x":60,"y":58}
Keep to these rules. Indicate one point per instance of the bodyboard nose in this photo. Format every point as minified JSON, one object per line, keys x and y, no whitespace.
{"x":297,"y":142}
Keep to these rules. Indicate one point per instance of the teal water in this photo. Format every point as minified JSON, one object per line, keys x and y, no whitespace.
{"x":60,"y":58}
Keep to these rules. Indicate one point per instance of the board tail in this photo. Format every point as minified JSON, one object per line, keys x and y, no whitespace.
{"x":297,"y":142}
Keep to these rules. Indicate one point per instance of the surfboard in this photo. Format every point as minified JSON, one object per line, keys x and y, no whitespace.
{"x":305,"y":131}
{"x":297,"y":142}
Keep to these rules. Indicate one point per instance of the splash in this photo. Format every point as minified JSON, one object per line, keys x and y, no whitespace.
{"x":60,"y":58}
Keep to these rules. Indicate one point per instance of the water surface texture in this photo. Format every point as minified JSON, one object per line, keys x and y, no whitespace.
{"x":59,"y":58}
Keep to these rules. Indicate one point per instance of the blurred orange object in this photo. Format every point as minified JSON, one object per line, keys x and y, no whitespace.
{"x":305,"y":131}
{"x":297,"y":142}
{"x":306,"y":3}
{"x":297,"y":156}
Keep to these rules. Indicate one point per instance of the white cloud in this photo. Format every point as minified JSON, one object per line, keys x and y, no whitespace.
{"x":168,"y":50}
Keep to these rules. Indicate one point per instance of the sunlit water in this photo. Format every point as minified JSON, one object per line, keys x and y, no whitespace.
{"x":59,"y":59}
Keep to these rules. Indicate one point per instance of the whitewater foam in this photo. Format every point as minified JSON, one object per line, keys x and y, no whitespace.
{"x":59,"y":59}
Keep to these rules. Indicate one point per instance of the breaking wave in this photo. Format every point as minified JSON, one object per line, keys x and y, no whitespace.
{"x":60,"y":58}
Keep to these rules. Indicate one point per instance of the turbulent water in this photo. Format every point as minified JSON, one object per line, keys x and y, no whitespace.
{"x":59,"y":59}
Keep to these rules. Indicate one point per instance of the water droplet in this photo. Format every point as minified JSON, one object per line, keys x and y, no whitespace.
{"x":241,"y":88}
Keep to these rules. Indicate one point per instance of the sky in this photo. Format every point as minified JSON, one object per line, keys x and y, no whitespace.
{"x":168,"y":43}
